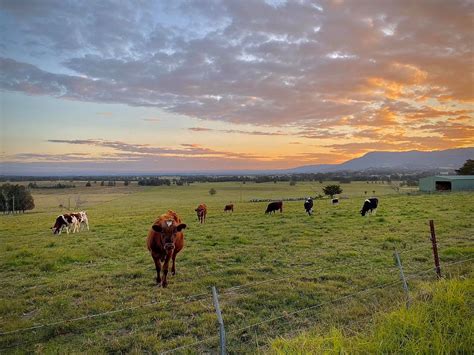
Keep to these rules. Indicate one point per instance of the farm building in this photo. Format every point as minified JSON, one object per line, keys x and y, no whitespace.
{"x":447,"y":183}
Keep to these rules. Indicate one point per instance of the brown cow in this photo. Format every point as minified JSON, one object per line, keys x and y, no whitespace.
{"x":201,"y":212}
{"x":165,"y":240}
{"x":229,"y":208}
{"x":274,"y":206}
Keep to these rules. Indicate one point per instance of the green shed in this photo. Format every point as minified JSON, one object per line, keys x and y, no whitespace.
{"x":447,"y":183}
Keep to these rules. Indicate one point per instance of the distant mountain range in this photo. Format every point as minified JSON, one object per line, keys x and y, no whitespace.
{"x":411,"y":160}
{"x":415,"y":161}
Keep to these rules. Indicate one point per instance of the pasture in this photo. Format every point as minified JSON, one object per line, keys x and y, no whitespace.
{"x":266,"y":267}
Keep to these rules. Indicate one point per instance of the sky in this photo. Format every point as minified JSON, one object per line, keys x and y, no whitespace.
{"x":180,"y":86}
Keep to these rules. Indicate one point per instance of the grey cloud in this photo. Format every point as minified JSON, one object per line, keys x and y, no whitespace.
{"x":188,"y":150}
{"x":251,"y":62}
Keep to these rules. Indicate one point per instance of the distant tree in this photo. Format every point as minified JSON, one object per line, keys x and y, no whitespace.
{"x":365,"y":192}
{"x":15,"y":198}
{"x":212,"y":191}
{"x":373,"y":192}
{"x":126,"y":183}
{"x":110,"y":183}
{"x":88,"y":184}
{"x":102,"y":183}
{"x":331,"y":190}
{"x":320,"y":181}
{"x":467,"y":168}
{"x":292,"y":182}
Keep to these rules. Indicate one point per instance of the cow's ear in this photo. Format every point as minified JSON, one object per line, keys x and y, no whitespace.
{"x":181,"y":227}
{"x":157,"y":228}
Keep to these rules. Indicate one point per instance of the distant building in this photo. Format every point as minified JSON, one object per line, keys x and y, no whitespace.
{"x":447,"y":183}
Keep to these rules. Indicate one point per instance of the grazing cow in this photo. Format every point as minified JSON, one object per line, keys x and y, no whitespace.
{"x":229,"y":208}
{"x":201,"y":212}
{"x":165,"y":240}
{"x":82,"y":220}
{"x":370,"y":205}
{"x":65,"y":221}
{"x":274,"y":206}
{"x":308,"y":206}
{"x":335,"y":201}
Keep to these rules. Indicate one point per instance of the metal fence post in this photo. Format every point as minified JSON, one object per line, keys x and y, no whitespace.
{"x":402,"y":276}
{"x":219,"y":320}
{"x":435,"y":249}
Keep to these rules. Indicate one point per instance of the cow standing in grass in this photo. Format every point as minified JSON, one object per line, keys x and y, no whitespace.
{"x":229,"y":208}
{"x":67,"y":222}
{"x":370,"y":205}
{"x":308,"y":206}
{"x":165,"y":240}
{"x":201,"y":212}
{"x":82,"y":220}
{"x":274,"y":206}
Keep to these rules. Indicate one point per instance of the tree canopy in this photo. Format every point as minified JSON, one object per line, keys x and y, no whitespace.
{"x":467,"y":168}
{"x":332,"y":190}
{"x":15,"y":198}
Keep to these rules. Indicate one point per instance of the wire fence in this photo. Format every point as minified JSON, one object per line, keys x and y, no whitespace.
{"x":227,"y":291}
{"x":286,"y":315}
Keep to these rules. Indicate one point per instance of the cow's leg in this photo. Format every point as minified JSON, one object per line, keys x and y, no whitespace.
{"x":156,"y":259}
{"x":166,"y":264}
{"x":173,"y":267}
{"x":375,"y":211}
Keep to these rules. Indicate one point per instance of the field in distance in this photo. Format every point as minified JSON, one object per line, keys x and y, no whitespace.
{"x":267,"y":268}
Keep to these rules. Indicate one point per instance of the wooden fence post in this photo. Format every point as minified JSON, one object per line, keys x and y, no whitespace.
{"x":219,"y":320}
{"x":402,"y":277}
{"x":435,"y":249}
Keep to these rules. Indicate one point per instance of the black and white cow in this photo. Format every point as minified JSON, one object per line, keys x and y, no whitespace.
{"x":65,"y":221}
{"x":308,"y":206}
{"x":370,"y":205}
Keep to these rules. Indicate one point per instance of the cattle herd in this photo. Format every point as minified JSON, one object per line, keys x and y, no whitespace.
{"x":166,"y":239}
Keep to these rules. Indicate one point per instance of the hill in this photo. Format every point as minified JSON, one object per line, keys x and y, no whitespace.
{"x":411,"y":160}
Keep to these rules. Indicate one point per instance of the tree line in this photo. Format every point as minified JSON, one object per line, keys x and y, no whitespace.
{"x":15,"y":198}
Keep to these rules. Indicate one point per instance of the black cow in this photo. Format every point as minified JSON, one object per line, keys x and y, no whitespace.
{"x":308,"y":206}
{"x":370,"y":205}
{"x":274,"y":206}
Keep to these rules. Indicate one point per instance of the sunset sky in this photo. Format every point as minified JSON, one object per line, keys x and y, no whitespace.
{"x":145,"y":86}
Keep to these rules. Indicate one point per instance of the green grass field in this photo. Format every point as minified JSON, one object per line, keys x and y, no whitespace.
{"x":267,"y":268}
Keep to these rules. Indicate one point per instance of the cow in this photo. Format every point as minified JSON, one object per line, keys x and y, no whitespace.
{"x":65,"y":221}
{"x":82,"y":220}
{"x":165,"y":240}
{"x":229,"y":208}
{"x":201,"y":212}
{"x":370,"y":205}
{"x":335,"y":201}
{"x":308,"y":206}
{"x":274,"y":206}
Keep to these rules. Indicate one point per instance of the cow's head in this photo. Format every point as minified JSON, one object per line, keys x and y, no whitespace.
{"x":365,"y":208}
{"x":168,"y":231}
